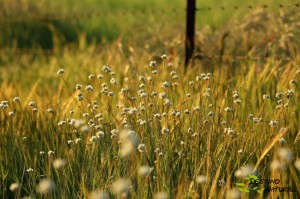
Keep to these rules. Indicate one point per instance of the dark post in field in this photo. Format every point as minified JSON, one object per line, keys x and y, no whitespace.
{"x":190,"y":31}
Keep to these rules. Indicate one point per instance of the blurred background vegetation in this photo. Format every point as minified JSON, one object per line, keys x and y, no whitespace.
{"x":107,"y":20}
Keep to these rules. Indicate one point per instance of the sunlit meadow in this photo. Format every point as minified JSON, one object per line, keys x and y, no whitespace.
{"x":128,"y":121}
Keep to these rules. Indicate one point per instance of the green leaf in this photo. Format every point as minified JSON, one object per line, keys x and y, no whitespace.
{"x":259,"y":191}
{"x":240,"y":184}
{"x":246,"y":190}
{"x":240,"y":189}
{"x":254,"y":188}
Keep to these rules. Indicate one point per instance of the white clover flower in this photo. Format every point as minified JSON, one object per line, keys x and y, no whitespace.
{"x":177,"y":114}
{"x":266,"y":96}
{"x":142,"y":148}
{"x":91,"y":76}
{"x":106,"y":69}
{"x":167,"y":102}
{"x":227,"y":109}
{"x":240,"y":151}
{"x":100,"y":76}
{"x":45,"y":186}
{"x":144,"y":171}
{"x":163,"y":95}
{"x":60,"y":71}
{"x":70,"y":141}
{"x":255,"y":120}
{"x":142,"y":78}
{"x":195,"y":134}
{"x":211,"y":113}
{"x":113,"y":81}
{"x":293,"y":82}
{"x":35,"y":110}
{"x":250,"y":116}
{"x":61,"y":123}
{"x":190,"y":130}
{"x":191,"y":83}
{"x":289,"y":93}
{"x":201,"y":179}
{"x":157,"y":150}
{"x":152,"y":64}
{"x":189,"y":95}
{"x":14,"y":187}
{"x":164,"y":56}
{"x":154,"y":72}
{"x":89,"y":88}
{"x":166,"y":85}
{"x":77,"y":140}
{"x":187,"y":111}
{"x":31,"y":103}
{"x":50,"y":110}
{"x":150,"y":79}
{"x":11,"y":113}
{"x":59,"y":163}
{"x":161,"y":154}
{"x":236,"y":94}
{"x":29,"y":170}
{"x":111,"y":94}
{"x":273,"y":123}
{"x":94,"y":139}
{"x":238,"y":101}
{"x":282,"y":141}
{"x":224,"y":122}
{"x":197,"y":108}
{"x":206,"y":78}
{"x":16,"y":99}
{"x":157,"y":115}
{"x":229,"y":131}
{"x":42,"y":152}
{"x":198,"y":78}
{"x":165,"y":130}
{"x":51,"y":153}
{"x":221,"y":183}
{"x":78,"y":86}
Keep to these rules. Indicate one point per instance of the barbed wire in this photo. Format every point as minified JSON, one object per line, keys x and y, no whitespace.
{"x":4,"y":19}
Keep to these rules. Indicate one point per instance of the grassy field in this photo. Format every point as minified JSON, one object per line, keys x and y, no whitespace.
{"x":124,"y":119}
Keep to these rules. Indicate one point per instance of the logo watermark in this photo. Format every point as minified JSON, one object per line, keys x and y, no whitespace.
{"x":271,"y":185}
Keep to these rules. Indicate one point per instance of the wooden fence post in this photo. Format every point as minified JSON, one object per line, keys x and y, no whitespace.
{"x":190,"y":31}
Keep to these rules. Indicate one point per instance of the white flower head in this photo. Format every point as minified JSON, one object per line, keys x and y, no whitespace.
{"x":201,"y":179}
{"x":144,"y":171}
{"x":60,"y":71}
{"x":161,"y":195}
{"x":45,"y":186}
{"x":164,"y":56}
{"x":59,"y":163}
{"x":14,"y":187}
{"x":121,"y":187}
{"x":244,"y":171}
{"x":99,"y":194}
{"x":285,"y":154}
{"x":142,"y":148}
{"x":152,"y":64}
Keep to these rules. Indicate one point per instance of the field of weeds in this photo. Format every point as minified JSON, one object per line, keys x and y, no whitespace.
{"x":126,"y":120}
